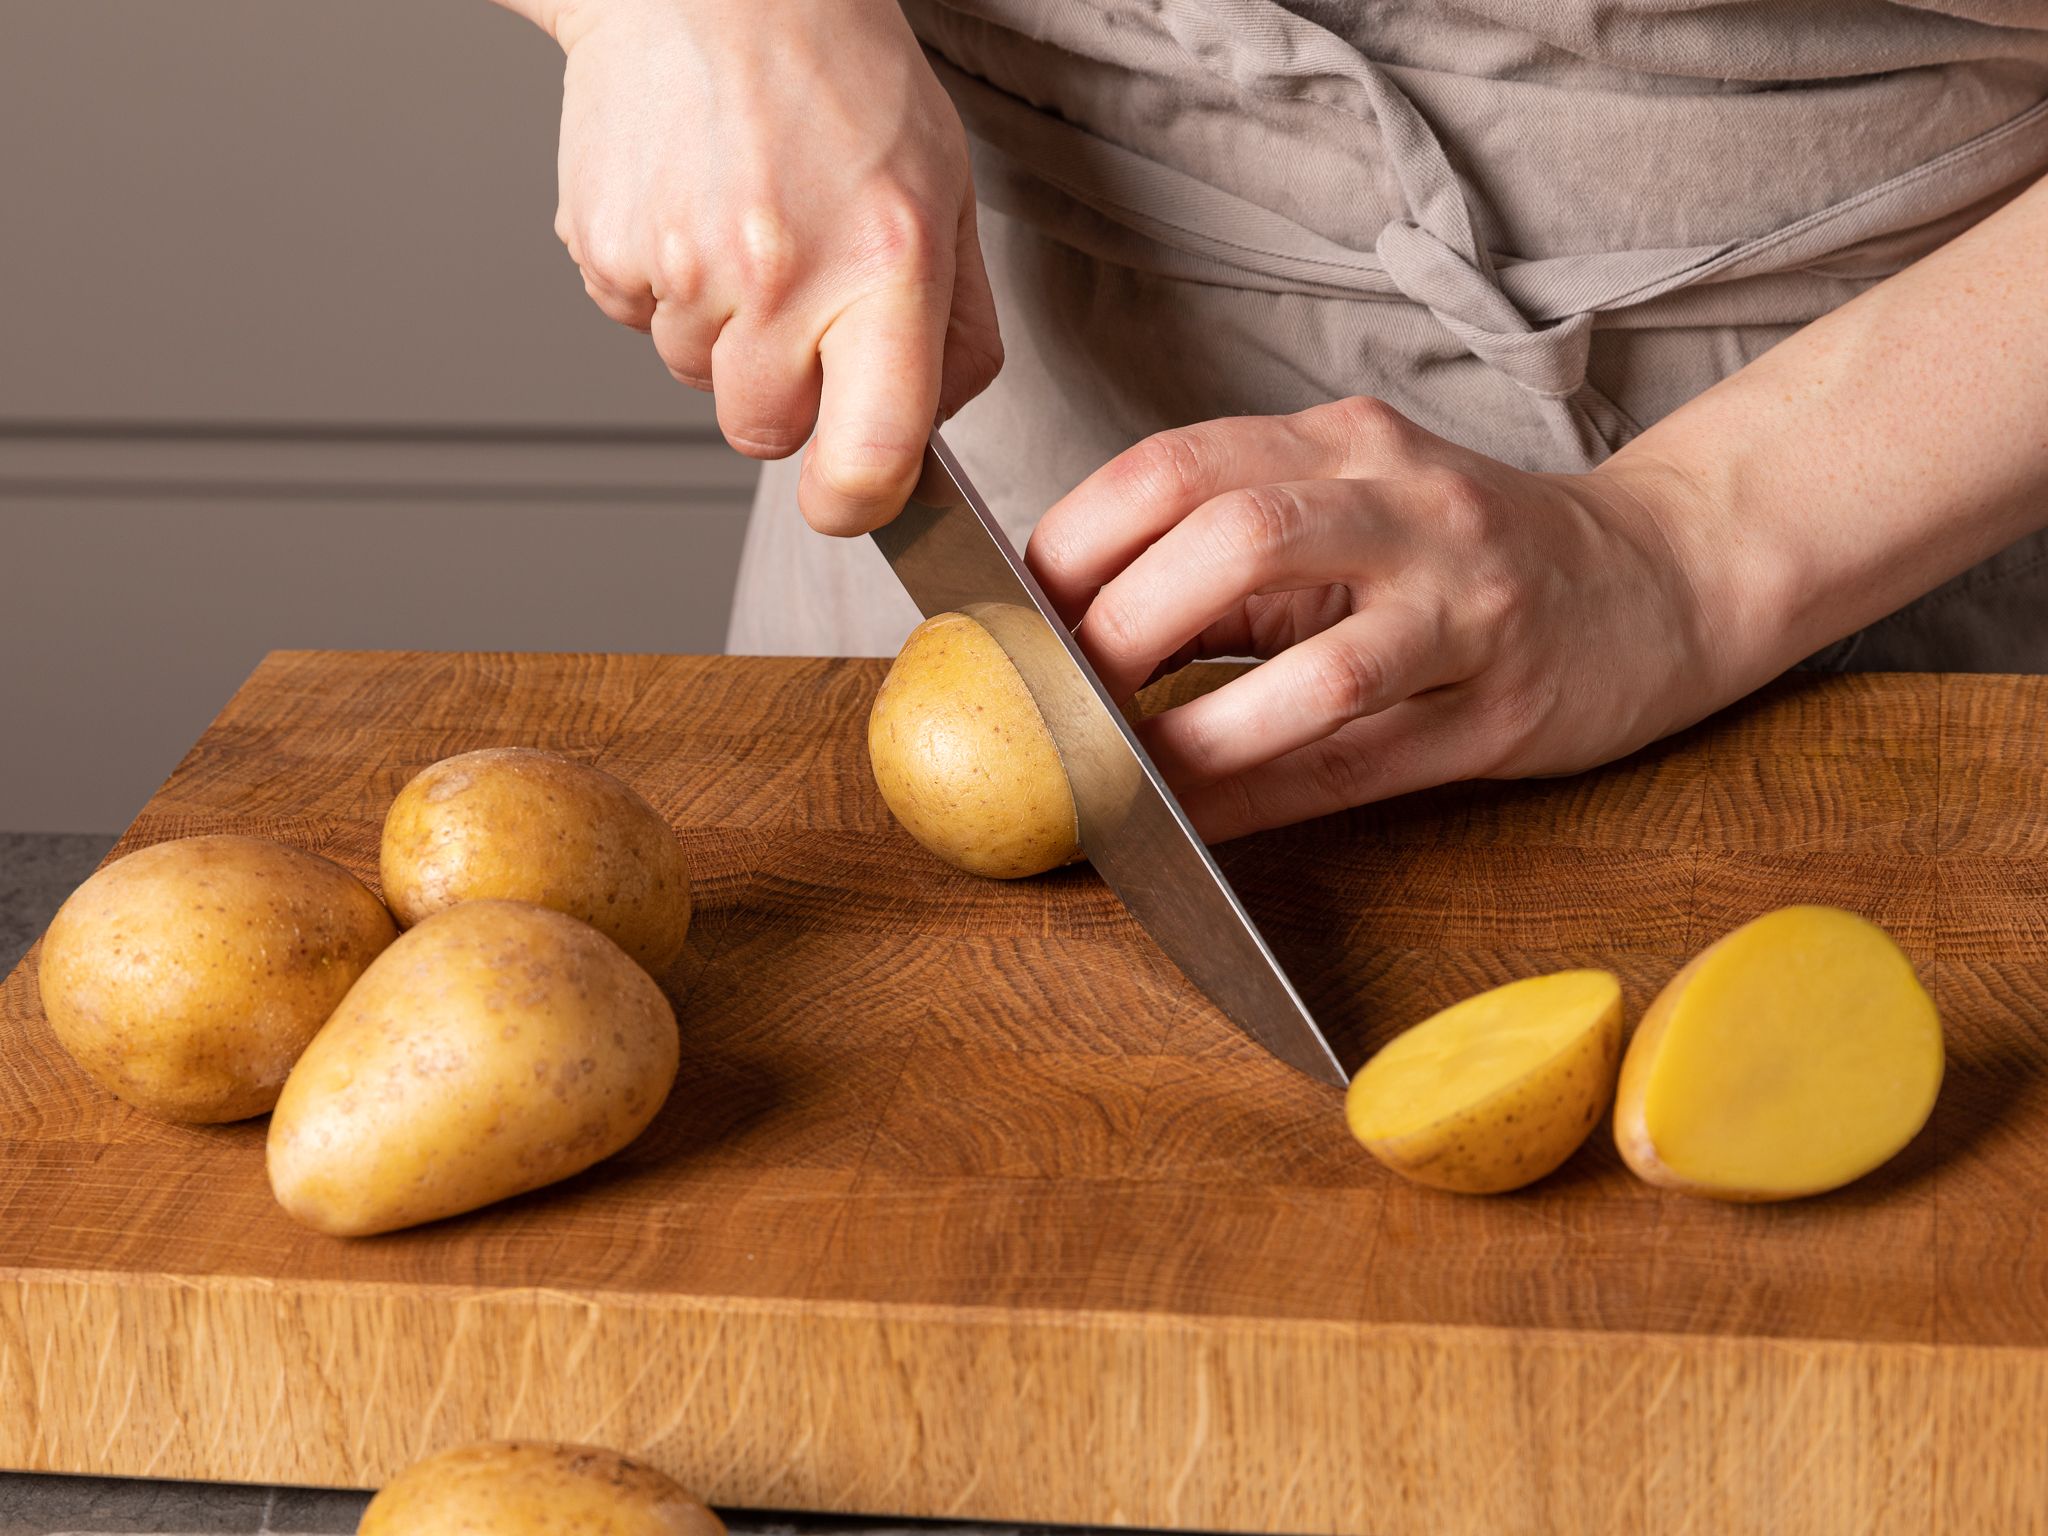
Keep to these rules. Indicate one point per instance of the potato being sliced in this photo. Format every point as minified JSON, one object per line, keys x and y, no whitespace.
{"x":1794,"y":1055}
{"x":1496,"y":1091}
{"x":963,"y":758}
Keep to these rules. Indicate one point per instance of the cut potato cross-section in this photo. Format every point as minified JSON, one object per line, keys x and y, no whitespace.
{"x":1791,"y":1057}
{"x":1496,"y":1091}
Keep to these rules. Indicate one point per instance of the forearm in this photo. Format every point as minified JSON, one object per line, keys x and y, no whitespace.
{"x":1884,"y":448}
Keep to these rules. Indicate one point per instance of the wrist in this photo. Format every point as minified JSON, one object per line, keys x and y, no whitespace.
{"x":1743,"y":591}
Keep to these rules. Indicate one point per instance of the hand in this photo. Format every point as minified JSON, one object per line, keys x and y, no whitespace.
{"x":1431,"y":614}
{"x":783,"y":202}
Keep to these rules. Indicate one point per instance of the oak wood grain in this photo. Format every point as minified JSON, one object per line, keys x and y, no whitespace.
{"x":967,"y":1204}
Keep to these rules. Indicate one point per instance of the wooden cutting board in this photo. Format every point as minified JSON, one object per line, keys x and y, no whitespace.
{"x":966,"y":1204}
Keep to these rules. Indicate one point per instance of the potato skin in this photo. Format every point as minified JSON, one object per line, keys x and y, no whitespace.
{"x":517,"y":824}
{"x":1520,"y":1133}
{"x":525,"y":1488}
{"x":187,"y":977}
{"x":963,"y":758}
{"x":495,"y":1048}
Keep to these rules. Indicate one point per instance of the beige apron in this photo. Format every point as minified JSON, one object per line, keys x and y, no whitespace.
{"x":1534,"y":229}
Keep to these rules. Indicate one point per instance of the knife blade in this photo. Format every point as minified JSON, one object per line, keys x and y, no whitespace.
{"x":952,"y":556}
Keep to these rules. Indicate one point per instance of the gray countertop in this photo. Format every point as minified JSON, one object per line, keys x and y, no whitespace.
{"x":37,"y":871}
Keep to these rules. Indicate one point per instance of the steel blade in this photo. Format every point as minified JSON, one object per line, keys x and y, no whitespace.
{"x":952,"y":556}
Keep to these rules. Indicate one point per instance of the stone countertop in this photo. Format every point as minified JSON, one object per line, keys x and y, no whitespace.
{"x":37,"y":871}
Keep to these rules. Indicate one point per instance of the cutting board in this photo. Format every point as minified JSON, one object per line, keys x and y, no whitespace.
{"x":966,"y":1204}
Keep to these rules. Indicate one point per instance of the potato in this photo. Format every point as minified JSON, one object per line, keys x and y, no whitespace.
{"x":496,"y":1047}
{"x":1496,"y":1091}
{"x":963,"y":758}
{"x":1794,"y":1055}
{"x":188,"y":976}
{"x":514,"y":824}
{"x":520,"y":1488}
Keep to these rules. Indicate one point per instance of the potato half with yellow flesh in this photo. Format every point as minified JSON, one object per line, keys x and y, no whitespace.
{"x":1496,"y":1091}
{"x":1794,"y":1055}
{"x":963,"y":758}
{"x":524,"y":1488}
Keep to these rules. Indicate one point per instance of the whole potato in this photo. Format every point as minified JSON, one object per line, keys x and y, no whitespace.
{"x":515,"y":824}
{"x":521,"y":1488}
{"x":963,"y":758}
{"x":496,"y":1047}
{"x":188,"y":976}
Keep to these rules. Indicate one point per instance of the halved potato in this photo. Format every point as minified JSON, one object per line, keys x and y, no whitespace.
{"x":1794,"y":1055}
{"x":1496,"y":1091}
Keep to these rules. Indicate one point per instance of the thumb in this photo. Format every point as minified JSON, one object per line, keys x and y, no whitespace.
{"x":880,"y":398}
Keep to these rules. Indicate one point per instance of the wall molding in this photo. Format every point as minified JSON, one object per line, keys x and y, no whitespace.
{"x":685,"y":466}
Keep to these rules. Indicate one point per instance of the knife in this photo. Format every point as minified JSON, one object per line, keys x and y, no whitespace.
{"x":952,"y":556}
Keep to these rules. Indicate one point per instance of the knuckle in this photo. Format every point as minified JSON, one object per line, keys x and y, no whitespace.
{"x":1114,"y":629}
{"x":894,"y":235}
{"x":1166,"y":467}
{"x":1260,"y":524}
{"x":1465,"y":506}
{"x":1335,"y":776}
{"x":684,"y":356}
{"x":1196,"y":735}
{"x":1240,"y":804}
{"x":1371,"y":424}
{"x":767,"y":257}
{"x":606,"y":261}
{"x":1344,"y":682}
{"x":1497,"y":601}
{"x":979,"y":360}
{"x":678,"y":267}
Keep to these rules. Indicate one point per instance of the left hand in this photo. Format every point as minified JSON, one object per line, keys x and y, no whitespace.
{"x":1430,"y":614}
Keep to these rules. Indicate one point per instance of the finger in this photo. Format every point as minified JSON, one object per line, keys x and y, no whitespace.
{"x":879,"y":401}
{"x":630,"y":307}
{"x":685,"y":334}
{"x":1264,"y":626}
{"x":1370,"y":662}
{"x":1433,"y":738}
{"x":1102,"y":525}
{"x":1270,"y":538}
{"x":973,"y":353}
{"x":765,"y":384}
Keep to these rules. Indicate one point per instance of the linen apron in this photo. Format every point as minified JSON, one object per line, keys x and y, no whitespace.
{"x":1534,"y":228}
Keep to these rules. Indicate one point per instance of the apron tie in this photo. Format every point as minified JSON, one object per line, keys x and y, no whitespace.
{"x":1548,"y":361}
{"x":1530,"y":321}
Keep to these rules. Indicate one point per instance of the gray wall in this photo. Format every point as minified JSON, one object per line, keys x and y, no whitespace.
{"x":290,"y":356}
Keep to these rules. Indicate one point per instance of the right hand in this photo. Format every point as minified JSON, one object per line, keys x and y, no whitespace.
{"x":780,"y":196}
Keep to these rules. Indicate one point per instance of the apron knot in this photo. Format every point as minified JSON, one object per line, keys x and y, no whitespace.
{"x":1549,"y":362}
